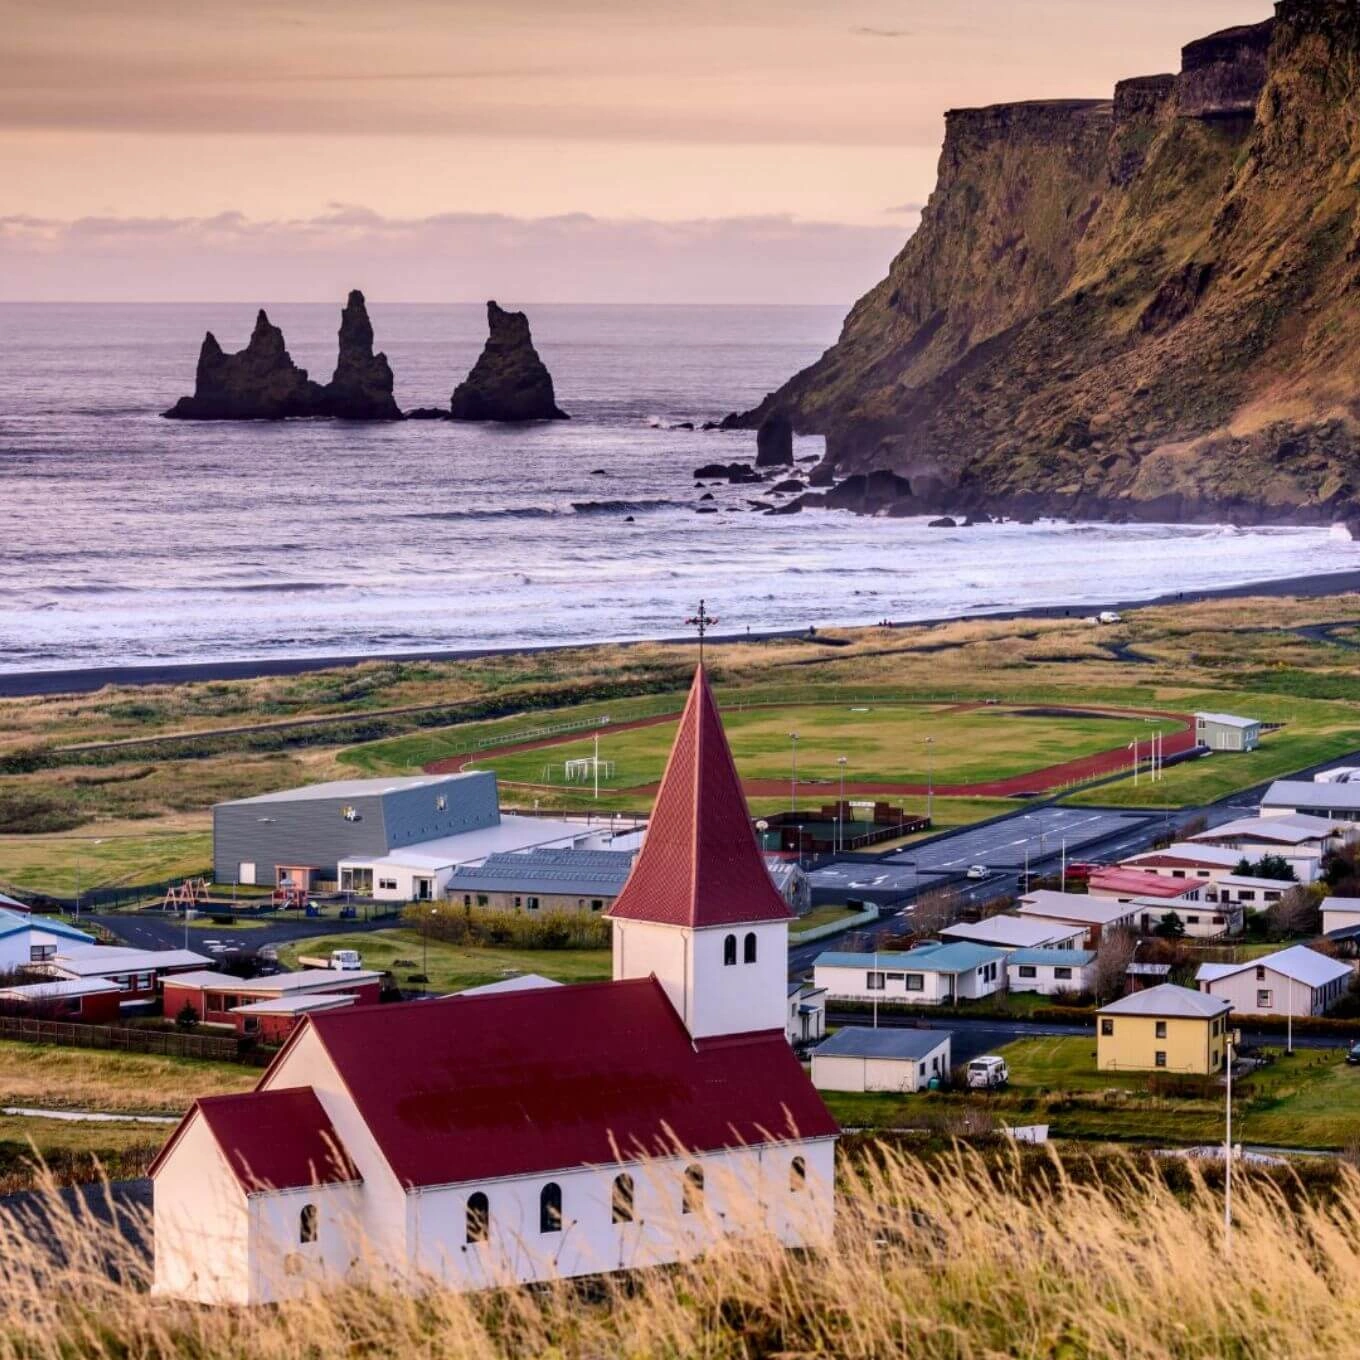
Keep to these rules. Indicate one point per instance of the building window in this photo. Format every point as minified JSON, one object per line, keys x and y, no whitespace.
{"x":914,"y":982}
{"x":483,"y":900}
{"x":387,"y":885}
{"x":621,"y":1202}
{"x":597,"y":904}
{"x":1246,"y":895}
{"x":38,"y":952}
{"x":692,"y":1192}
{"x":550,"y":1208}
{"x":467,"y":899}
{"x":1160,"y":1058}
{"x":1107,"y":1026}
{"x":1028,"y":970}
{"x":797,"y":1175}
{"x":1192,"y":920}
{"x":748,"y":948}
{"x":729,"y":951}
{"x":533,"y":904}
{"x":1161,"y":1030}
{"x":307,"y":1223}
{"x":477,"y":1220}
{"x":1062,"y":975}
{"x":1265,"y":999}
{"x":519,"y":902}
{"x":875,"y":982}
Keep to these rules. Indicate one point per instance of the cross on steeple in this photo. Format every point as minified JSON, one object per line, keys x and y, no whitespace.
{"x":703,"y":622}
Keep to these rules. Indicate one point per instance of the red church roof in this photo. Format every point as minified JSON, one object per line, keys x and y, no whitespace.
{"x":522,"y":1083}
{"x":272,"y":1140}
{"x":700,"y":865}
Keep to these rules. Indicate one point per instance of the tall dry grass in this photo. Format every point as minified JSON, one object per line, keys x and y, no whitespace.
{"x":955,"y":1259}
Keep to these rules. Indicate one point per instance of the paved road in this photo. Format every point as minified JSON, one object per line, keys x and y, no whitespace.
{"x":146,"y":930}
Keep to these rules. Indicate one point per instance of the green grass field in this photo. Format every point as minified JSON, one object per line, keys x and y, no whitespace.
{"x":881,"y":744}
{"x":57,"y":863}
{"x":453,"y":967}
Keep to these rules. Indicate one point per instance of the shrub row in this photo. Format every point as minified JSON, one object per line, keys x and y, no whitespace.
{"x":486,"y":928}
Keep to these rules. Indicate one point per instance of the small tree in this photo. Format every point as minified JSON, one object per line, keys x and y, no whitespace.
{"x":187,"y":1019}
{"x":1171,"y":927}
{"x":1112,"y":963}
{"x":1296,"y":913}
{"x":933,"y":911}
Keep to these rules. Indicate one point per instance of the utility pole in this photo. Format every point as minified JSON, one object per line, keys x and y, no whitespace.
{"x":1134,"y":747}
{"x":597,"y":767}
{"x":840,"y":807}
{"x":793,"y":773}
{"x":930,"y":778}
{"x":1062,"y":887}
{"x":1227,"y":1154}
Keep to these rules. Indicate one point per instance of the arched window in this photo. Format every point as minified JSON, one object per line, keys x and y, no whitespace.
{"x":749,"y":948}
{"x":307,"y":1223}
{"x":797,"y":1175}
{"x":478,"y":1217}
{"x":550,"y":1208}
{"x":729,"y":951}
{"x":692,"y":1193}
{"x":622,"y":1203}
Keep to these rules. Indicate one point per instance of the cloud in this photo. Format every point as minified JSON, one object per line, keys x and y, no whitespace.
{"x":864,"y":31}
{"x":905,"y":208}
{"x":571,"y":257}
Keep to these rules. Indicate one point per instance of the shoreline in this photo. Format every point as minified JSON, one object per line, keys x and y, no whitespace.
{"x":43,"y":683}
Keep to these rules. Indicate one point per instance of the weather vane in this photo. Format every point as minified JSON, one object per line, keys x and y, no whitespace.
{"x":703,"y":622}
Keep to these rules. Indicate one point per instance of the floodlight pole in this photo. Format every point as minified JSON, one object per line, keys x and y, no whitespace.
{"x":930,"y":778}
{"x":1062,"y":887}
{"x":793,"y":772}
{"x":597,"y":767}
{"x":840,"y":807}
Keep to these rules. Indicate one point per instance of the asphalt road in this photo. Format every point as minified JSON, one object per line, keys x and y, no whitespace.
{"x":146,"y":930}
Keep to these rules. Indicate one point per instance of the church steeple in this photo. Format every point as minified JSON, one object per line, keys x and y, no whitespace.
{"x":700,"y":864}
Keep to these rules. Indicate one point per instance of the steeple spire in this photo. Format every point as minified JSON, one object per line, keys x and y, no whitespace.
{"x":700,"y":864}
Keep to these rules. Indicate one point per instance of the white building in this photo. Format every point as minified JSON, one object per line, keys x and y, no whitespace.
{"x":1298,"y":839}
{"x":1227,"y":732}
{"x":806,"y":1020}
{"x":1091,"y":915}
{"x":1340,"y":913}
{"x":901,"y":1060}
{"x":928,"y":975}
{"x":1199,"y":920}
{"x":1294,"y":981}
{"x":1246,"y":890}
{"x":1186,"y":860}
{"x":1334,"y":801}
{"x":1017,"y":932}
{"x":26,"y":938}
{"x":1051,"y":970}
{"x":539,"y":1133}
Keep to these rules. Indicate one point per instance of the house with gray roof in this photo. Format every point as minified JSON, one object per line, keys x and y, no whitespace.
{"x":857,"y":1058}
{"x":554,"y":879}
{"x":1294,"y":981}
{"x":932,"y":974}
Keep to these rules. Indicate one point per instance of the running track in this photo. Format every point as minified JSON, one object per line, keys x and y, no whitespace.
{"x":1034,"y":782}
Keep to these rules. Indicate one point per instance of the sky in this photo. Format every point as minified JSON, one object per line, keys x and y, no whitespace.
{"x":548,"y":150}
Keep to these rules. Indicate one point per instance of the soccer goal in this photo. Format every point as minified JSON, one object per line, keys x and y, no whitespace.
{"x":583,"y":771}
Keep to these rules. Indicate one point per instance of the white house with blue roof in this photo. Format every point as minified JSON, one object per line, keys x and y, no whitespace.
{"x":26,"y":938}
{"x":931,"y":974}
{"x":1047,"y":971}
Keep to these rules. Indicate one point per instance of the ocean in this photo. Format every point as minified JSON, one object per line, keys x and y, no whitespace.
{"x":129,"y":539}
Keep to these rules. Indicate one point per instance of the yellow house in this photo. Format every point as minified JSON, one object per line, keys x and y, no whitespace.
{"x":1163,"y":1029}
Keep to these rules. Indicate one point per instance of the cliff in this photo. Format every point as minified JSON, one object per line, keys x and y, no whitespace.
{"x":509,"y":381}
{"x":1143,"y":307}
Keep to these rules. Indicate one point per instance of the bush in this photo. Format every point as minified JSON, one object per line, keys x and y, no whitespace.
{"x":187,"y":1019}
{"x":34,"y":813}
{"x":484,"y":927}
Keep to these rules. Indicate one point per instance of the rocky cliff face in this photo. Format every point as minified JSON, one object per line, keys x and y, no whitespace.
{"x":260,"y":382}
{"x":362,"y":386}
{"x":509,"y":381}
{"x":1147,"y":307}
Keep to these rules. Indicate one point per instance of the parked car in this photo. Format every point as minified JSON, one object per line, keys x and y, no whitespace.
{"x":977,"y":871}
{"x":987,"y":1072}
{"x":1353,"y":1055}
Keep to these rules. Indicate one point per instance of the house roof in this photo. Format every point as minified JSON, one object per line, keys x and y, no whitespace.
{"x":12,"y":904}
{"x":1013,"y":931}
{"x":297,"y":1005}
{"x":956,"y":957}
{"x":1293,"y":830}
{"x":59,"y":987}
{"x":1249,"y":881}
{"x":522,"y":982}
{"x":1046,"y":904}
{"x":1170,"y":1001}
{"x":858,"y":1041}
{"x":353,"y":788}
{"x":592,"y":873}
{"x":272,"y":1140}
{"x":1139,"y":882}
{"x":305,"y":979}
{"x":1306,"y":793}
{"x":468,"y":1088}
{"x":1186,"y":854}
{"x":1148,"y":970}
{"x":1351,"y":904}
{"x":1053,"y":958}
{"x":700,"y":864}
{"x":100,"y":960}
{"x":1298,"y":963}
{"x":12,"y":922}
{"x":1228,"y":720}
{"x":473,"y":846}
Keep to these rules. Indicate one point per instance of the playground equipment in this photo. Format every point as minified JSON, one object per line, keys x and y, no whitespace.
{"x":290,"y":897}
{"x":192,"y":892}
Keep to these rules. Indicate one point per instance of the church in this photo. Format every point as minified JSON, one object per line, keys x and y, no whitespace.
{"x":532,"y":1134}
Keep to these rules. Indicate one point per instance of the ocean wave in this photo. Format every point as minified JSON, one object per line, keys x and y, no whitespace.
{"x":620,"y":507}
{"x":512,"y":512}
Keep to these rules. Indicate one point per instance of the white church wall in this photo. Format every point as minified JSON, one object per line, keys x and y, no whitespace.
{"x":201,"y":1223}
{"x":740,"y":997}
{"x":282,"y":1264}
{"x":642,"y":948}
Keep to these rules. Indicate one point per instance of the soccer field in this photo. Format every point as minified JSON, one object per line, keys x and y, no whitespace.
{"x":881,"y":744}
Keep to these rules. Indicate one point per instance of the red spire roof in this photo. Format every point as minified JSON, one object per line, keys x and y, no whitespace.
{"x":700,"y":864}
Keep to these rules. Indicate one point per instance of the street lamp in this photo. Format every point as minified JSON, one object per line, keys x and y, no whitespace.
{"x":840,"y":807}
{"x":1232,"y":1038}
{"x":930,"y":777}
{"x":793,"y":772}
{"x":763,"y":826}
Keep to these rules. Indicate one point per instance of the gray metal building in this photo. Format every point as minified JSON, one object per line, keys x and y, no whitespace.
{"x":1307,"y":798}
{"x":551,"y":880}
{"x":319,"y":825}
{"x":1227,"y":732}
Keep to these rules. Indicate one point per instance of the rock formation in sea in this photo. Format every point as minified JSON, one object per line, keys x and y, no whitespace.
{"x":1147,"y":306}
{"x":774,"y":441}
{"x":362,"y":386}
{"x":260,"y":382}
{"x":509,"y":381}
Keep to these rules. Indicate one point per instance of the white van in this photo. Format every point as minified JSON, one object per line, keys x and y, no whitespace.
{"x":987,"y":1072}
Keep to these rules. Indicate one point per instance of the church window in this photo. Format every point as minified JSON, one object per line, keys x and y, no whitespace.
{"x":550,"y":1208}
{"x":729,"y":951}
{"x":749,"y":947}
{"x":307,"y":1223}
{"x":478,"y":1217}
{"x":797,"y":1175}
{"x":622,"y":1201}
{"x":692,"y":1196}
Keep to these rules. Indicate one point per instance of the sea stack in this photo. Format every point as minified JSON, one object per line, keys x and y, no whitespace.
{"x":362,"y":386}
{"x":260,"y":382}
{"x":509,"y":381}
{"x":774,"y":441}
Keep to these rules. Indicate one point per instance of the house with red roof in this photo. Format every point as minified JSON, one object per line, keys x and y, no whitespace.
{"x":509,"y":1136}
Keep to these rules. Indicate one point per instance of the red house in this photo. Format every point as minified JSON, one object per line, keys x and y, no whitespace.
{"x":274,"y":1019}
{"x":93,"y":1001}
{"x":216,"y":997}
